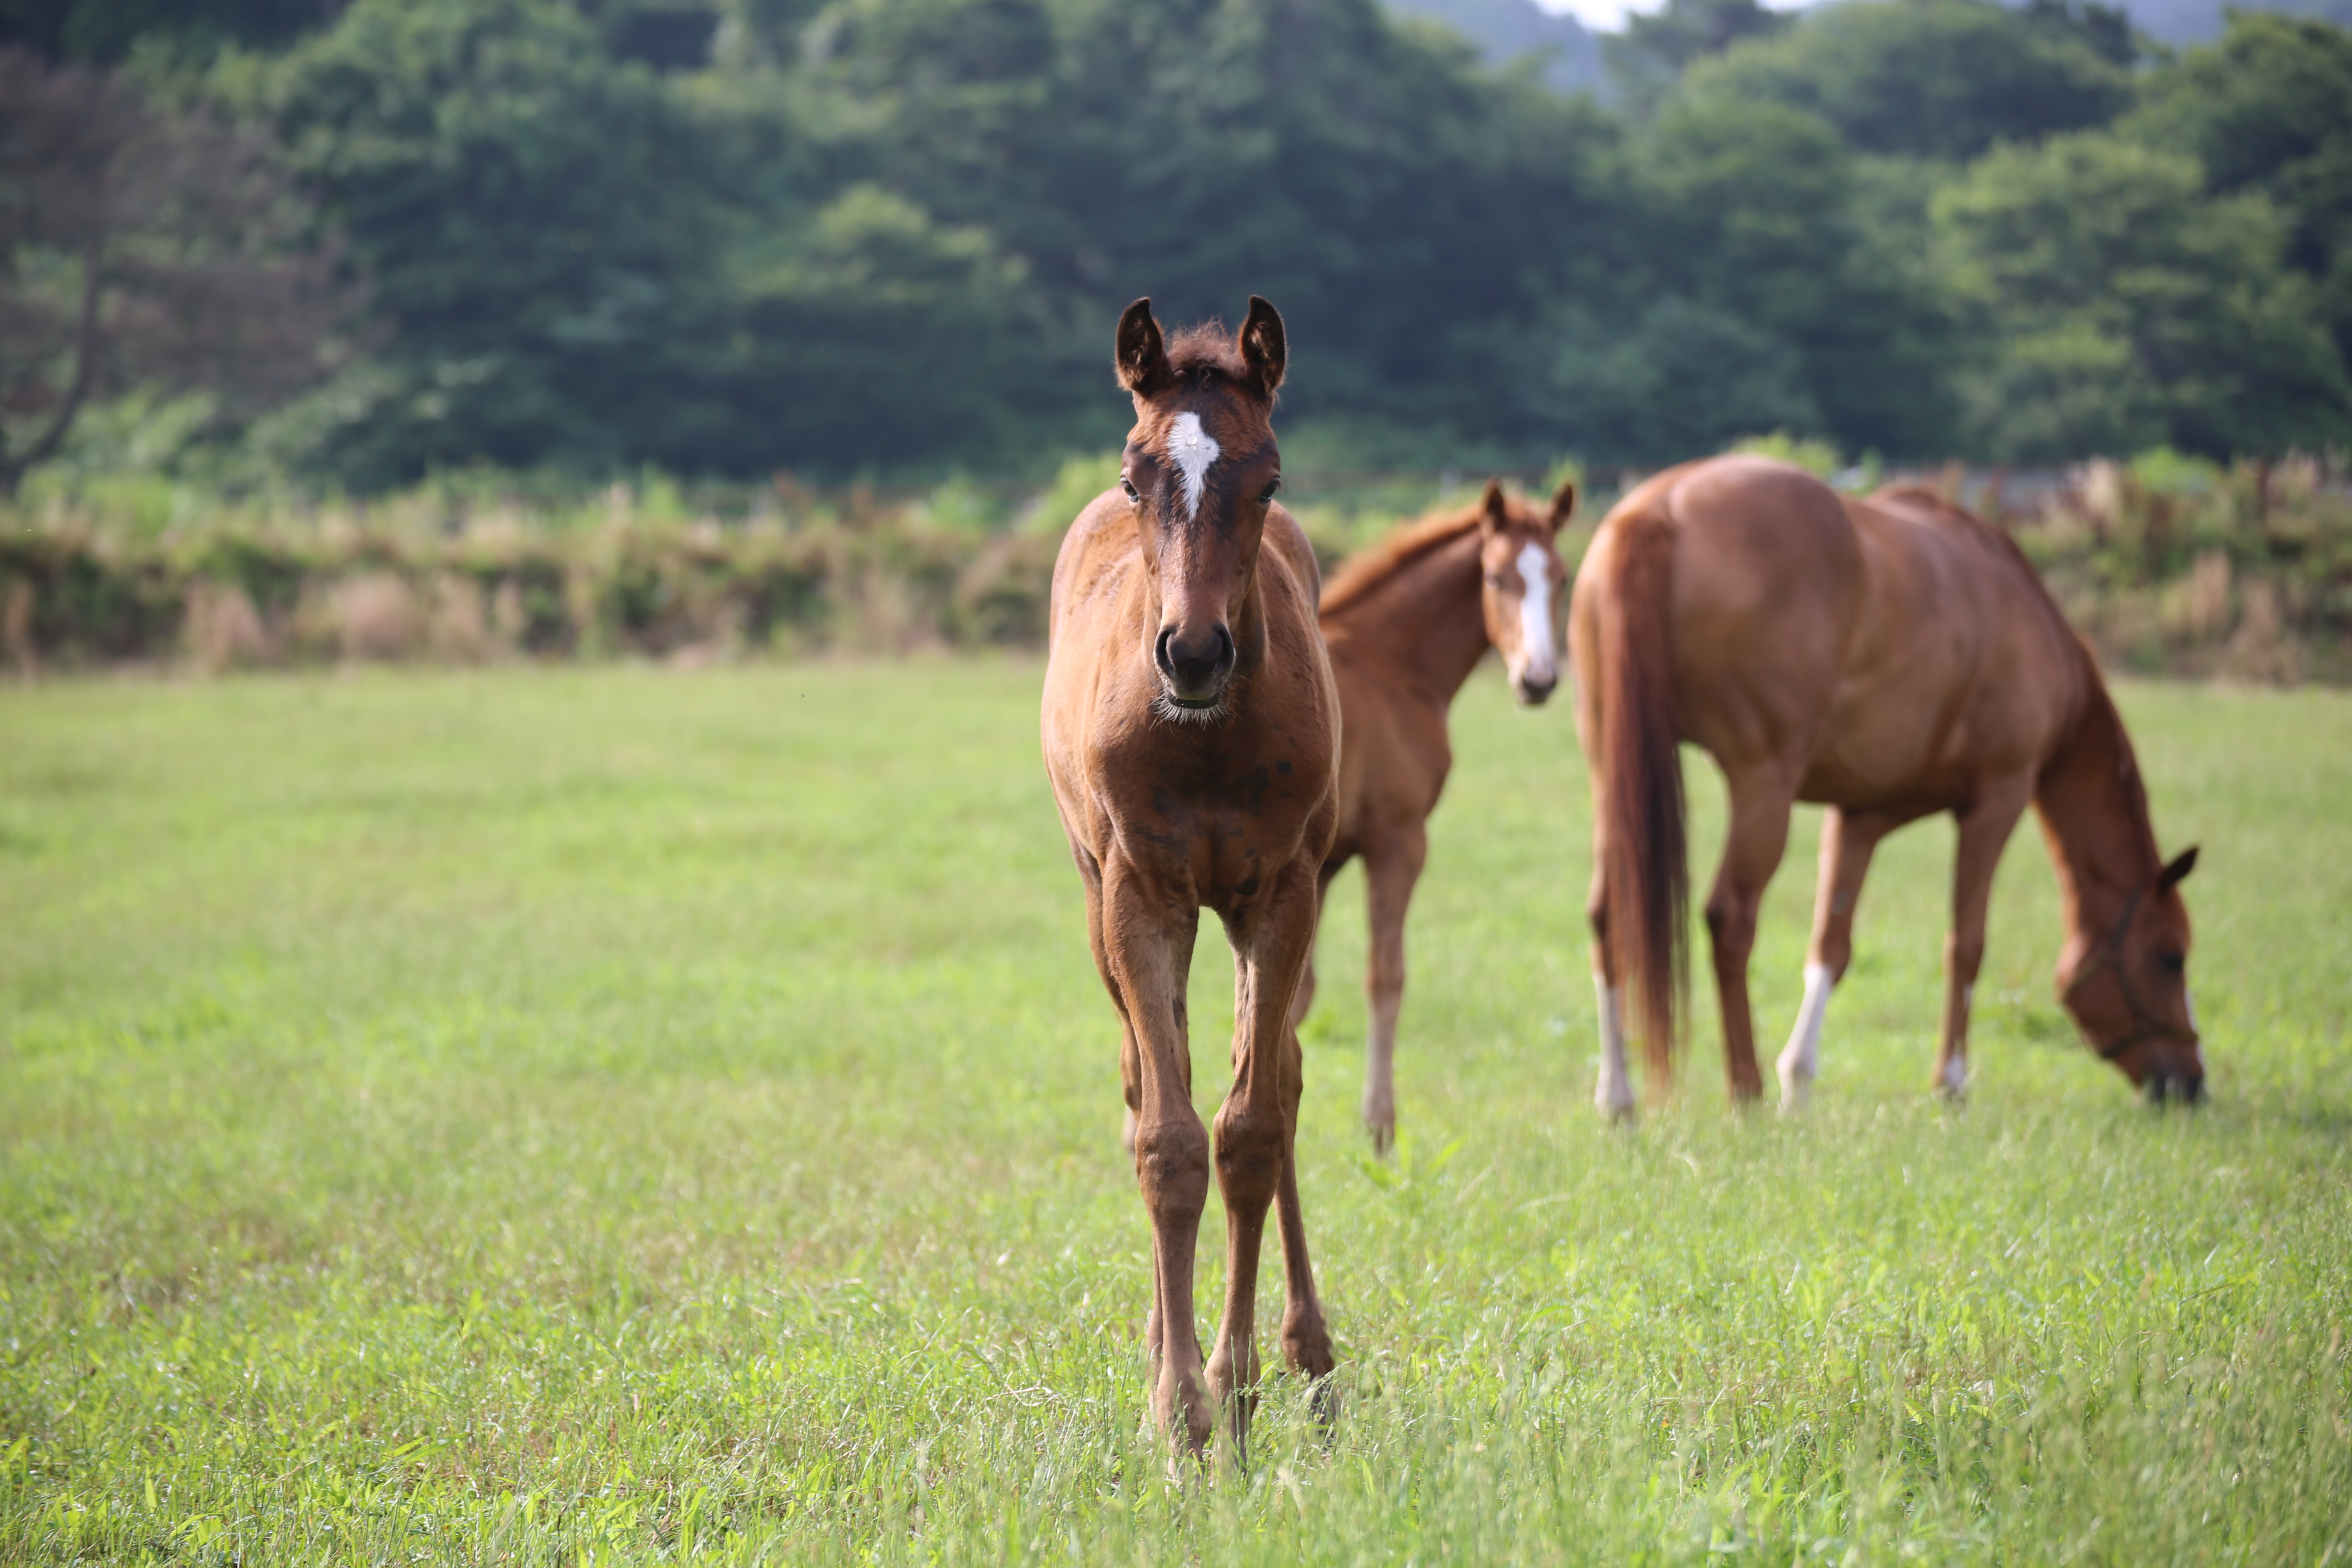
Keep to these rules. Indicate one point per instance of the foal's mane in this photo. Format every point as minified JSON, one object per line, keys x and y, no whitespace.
{"x":1206,"y":352}
{"x":1367,"y":569}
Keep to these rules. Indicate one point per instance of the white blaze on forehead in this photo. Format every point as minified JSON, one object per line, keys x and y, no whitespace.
{"x":1191,"y":450}
{"x":1535,"y":610}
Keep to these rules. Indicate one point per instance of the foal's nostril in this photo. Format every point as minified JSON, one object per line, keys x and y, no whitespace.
{"x":1194,"y":667}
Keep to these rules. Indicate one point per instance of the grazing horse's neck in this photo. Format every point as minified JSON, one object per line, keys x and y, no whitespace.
{"x":2093,"y":813}
{"x":1427,"y":618}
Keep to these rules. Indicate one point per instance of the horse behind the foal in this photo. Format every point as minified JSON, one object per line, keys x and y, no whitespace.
{"x":1191,"y":730}
{"x":1406,"y":622}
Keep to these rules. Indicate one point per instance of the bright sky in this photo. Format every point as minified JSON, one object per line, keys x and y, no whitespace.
{"x":1608,"y":15}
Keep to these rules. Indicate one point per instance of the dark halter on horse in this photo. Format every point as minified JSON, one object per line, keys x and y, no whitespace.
{"x":2106,"y":960}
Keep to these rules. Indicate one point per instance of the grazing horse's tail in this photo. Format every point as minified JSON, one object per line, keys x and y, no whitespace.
{"x":1645,"y":870}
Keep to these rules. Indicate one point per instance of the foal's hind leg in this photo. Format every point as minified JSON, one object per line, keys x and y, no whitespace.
{"x":1759,"y":832}
{"x":1304,"y":1001}
{"x":1985,"y":827}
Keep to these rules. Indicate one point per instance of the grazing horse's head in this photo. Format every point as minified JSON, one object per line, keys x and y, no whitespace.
{"x":2128,"y":987}
{"x":1201,"y":471}
{"x":1521,"y":578}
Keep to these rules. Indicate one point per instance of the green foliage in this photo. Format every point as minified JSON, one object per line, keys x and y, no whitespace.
{"x":1081,"y":481}
{"x":1816,"y":457}
{"x":1931,"y":78}
{"x":652,"y":1115}
{"x":540,"y":227}
{"x":888,"y":238}
{"x":2269,"y":108}
{"x":2121,"y":307}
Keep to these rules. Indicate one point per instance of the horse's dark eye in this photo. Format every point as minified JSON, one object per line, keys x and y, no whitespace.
{"x":1272,"y":486}
{"x":2172,"y":963}
{"x":1128,"y":486}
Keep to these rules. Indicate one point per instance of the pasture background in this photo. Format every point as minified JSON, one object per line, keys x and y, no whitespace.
{"x":541,"y":1115}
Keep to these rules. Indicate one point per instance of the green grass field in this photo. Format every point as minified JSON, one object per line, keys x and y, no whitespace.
{"x":606,"y":1114}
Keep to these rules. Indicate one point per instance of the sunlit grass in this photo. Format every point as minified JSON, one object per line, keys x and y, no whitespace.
{"x":547,"y":1115}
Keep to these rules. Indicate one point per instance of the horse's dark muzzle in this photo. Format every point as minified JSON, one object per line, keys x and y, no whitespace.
{"x":1195,"y":670}
{"x":2188,"y":1088}
{"x":1534,"y":691}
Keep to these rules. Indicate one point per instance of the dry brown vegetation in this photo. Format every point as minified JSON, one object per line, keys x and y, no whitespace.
{"x":2171,"y":567}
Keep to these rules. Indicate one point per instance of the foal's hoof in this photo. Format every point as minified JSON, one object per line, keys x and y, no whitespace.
{"x":1383,"y":1134}
{"x":1325,"y":1401}
{"x":1183,"y":1414}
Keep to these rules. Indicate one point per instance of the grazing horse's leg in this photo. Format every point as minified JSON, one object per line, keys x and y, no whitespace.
{"x":1613,"y":1091}
{"x":1258,"y":1122}
{"x":1760,"y":800}
{"x":1392,"y":866}
{"x":1985,"y":827}
{"x":1848,"y":839}
{"x":1147,"y":944}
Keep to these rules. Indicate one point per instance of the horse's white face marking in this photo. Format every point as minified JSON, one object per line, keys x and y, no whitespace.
{"x":1802,"y":1059}
{"x":1191,"y":450}
{"x":1536,"y":655}
{"x":1614,"y":1092}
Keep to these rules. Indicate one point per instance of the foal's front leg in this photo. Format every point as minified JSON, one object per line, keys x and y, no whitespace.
{"x":1148,"y":946}
{"x":1257,"y":1128}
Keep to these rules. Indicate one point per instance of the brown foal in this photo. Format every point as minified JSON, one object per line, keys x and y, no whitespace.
{"x":1192,"y":731}
{"x":1891,"y":658}
{"x":1406,"y":623}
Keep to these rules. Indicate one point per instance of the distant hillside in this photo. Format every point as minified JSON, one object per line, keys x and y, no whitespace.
{"x":1506,"y":29}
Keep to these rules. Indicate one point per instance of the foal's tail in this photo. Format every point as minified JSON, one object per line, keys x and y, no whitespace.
{"x":1645,"y":870}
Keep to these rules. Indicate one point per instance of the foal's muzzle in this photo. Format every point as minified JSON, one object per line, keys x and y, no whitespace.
{"x":2187,"y":1087}
{"x":1534,"y":688}
{"x":1195,"y":671}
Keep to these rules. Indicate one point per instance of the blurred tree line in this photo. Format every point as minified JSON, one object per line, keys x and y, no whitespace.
{"x":728,"y":237}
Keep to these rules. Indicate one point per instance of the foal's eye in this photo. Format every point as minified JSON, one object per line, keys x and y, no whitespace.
{"x":2172,"y":963}
{"x":1272,"y":486}
{"x":1128,"y":486}
{"x":1493,"y":579}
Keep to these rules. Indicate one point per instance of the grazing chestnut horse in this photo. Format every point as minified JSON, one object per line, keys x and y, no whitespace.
{"x":1192,"y":731}
{"x":1406,"y":623}
{"x":1888,"y":658}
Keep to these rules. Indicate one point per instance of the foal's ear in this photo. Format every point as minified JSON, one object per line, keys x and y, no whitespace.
{"x":1563,"y":504}
{"x":1494,"y":510}
{"x":1266,"y":348}
{"x":1142,"y":358}
{"x":2177,"y":869}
